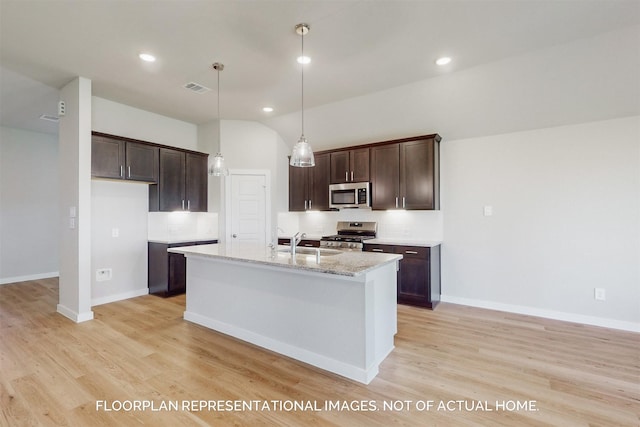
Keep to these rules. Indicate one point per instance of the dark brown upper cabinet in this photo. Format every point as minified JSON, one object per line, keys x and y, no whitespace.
{"x":113,"y":158}
{"x":182,"y":183}
{"x":309,"y":187}
{"x":350,"y":166}
{"x":405,"y":174}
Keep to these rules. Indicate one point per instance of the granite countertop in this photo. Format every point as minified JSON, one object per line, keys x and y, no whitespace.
{"x":181,"y":239}
{"x":404,"y":242}
{"x":353,"y":263}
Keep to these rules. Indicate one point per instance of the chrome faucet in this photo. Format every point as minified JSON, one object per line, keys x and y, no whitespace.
{"x":295,"y":240}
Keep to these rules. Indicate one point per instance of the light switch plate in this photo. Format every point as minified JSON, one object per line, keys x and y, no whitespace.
{"x":488,"y":210}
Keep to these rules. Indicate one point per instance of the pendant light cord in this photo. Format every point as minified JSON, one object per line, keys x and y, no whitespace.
{"x":218,"y":70}
{"x":302,"y":84}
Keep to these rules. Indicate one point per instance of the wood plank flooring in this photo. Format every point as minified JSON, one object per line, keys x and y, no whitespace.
{"x":471,"y":366}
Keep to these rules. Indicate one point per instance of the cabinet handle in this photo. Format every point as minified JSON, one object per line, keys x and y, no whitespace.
{"x":309,"y":203}
{"x":183,"y":204}
{"x":305,"y":205}
{"x":188,"y":205}
{"x":121,"y":171}
{"x":411,"y":252}
{"x":403,"y":202}
{"x":351,"y":176}
{"x":308,"y":245}
{"x":129,"y":171}
{"x":346,"y":175}
{"x":396,"y":202}
{"x":377,"y":250}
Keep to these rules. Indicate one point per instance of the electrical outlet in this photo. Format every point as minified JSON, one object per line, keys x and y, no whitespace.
{"x":599,"y":294}
{"x":103,"y":274}
{"x":115,"y":232}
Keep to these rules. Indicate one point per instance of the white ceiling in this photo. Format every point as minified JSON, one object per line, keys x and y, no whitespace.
{"x":357,"y":47}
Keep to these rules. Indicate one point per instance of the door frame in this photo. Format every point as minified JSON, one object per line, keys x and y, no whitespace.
{"x":226,"y":235}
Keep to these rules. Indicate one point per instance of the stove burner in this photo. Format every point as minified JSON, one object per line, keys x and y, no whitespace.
{"x":350,"y":235}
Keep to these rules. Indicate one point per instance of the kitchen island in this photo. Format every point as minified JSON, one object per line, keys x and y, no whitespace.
{"x":338,"y":314}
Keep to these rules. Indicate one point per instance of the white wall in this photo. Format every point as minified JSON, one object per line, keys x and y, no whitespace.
{"x":252,"y":145}
{"x":546,"y":257}
{"x":130,"y":214}
{"x":74,"y":168}
{"x":566,"y":220}
{"x":123,"y":120}
{"x":122,"y":206}
{"x":29,"y":214}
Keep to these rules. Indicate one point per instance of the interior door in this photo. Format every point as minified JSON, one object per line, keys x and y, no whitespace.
{"x":248,"y":208}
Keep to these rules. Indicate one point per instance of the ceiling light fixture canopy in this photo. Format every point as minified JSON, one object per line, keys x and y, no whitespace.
{"x":302,"y":154}
{"x":217,"y":167}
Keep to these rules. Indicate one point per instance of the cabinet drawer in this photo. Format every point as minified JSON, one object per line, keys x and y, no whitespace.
{"x":368,"y":247}
{"x":413,"y":251}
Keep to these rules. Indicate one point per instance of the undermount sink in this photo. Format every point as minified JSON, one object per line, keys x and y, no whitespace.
{"x":312,"y":251}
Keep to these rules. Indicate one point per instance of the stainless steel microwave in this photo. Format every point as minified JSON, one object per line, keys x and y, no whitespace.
{"x":349,"y":195}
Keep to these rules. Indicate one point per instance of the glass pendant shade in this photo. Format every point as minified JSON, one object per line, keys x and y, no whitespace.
{"x":218,"y":167}
{"x":302,"y":155}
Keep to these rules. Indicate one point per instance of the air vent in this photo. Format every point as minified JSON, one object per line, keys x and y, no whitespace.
{"x":197,"y":88}
{"x":49,"y":118}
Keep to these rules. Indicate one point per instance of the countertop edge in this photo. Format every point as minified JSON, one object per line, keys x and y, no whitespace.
{"x":299,"y":267}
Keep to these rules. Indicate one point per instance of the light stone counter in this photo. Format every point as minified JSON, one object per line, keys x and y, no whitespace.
{"x":181,"y":239}
{"x":404,"y":242}
{"x":348,"y":263}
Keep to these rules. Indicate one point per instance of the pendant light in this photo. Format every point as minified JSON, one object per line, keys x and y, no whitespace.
{"x":217,"y":166}
{"x":302,"y":155}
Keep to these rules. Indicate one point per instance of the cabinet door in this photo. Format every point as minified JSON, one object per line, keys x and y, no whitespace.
{"x":413,"y":283}
{"x":359,"y":160}
{"x":177,"y":273}
{"x":157,"y":264}
{"x":340,"y":167}
{"x":385,"y":176}
{"x":298,"y":185}
{"x":417,"y":174}
{"x":107,"y":157}
{"x":171,"y":183}
{"x":319,"y":183}
{"x":142,"y":162}
{"x":196,"y":182}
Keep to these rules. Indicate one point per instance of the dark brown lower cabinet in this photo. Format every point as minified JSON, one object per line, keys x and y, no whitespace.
{"x":167,"y":273}
{"x":309,"y":243}
{"x":419,"y":273}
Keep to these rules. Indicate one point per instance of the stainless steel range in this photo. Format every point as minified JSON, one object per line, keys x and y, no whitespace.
{"x":350,"y":235}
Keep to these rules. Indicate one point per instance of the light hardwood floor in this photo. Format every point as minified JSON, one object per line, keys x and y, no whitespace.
{"x":55,"y":372}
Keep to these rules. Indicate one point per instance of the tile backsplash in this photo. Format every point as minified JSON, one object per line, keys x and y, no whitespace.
{"x":414,"y":225}
{"x":182,"y":225}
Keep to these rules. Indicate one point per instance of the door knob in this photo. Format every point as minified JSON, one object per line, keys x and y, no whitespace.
{"x":234,"y":235}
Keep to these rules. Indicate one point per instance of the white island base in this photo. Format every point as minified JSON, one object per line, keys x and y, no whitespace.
{"x":343,"y":324}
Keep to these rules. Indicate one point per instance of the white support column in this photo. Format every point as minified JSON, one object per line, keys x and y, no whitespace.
{"x":74,"y":141}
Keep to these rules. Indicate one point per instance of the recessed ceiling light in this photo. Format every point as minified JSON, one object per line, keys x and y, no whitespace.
{"x":443,"y":61}
{"x":147,"y":57}
{"x":303,"y":59}
{"x":267,"y":109}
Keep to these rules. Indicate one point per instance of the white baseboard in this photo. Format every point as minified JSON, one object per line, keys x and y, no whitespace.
{"x":16,"y":279}
{"x":548,"y":314}
{"x":76,"y":317}
{"x":119,"y":297}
